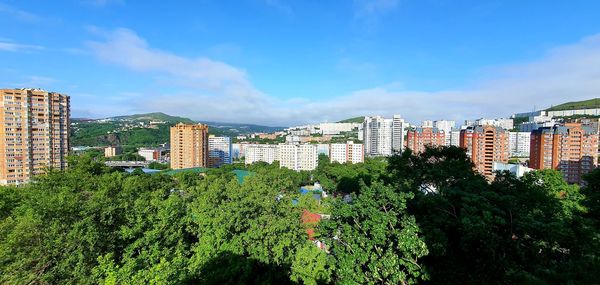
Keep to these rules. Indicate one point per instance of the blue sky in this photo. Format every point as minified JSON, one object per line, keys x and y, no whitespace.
{"x":279,"y":62}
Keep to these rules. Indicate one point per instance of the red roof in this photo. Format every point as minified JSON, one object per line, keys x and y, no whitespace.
{"x":310,"y":218}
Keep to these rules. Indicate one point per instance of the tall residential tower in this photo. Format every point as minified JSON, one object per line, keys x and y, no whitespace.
{"x":34,"y":133}
{"x":485,"y":145}
{"x":189,"y":146}
{"x":570,"y":148}
{"x":383,"y":137}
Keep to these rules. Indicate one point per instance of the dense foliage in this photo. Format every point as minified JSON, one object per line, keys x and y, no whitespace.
{"x":409,"y":219}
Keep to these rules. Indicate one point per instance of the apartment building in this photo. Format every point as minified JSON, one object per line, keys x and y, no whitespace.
{"x":418,"y":138}
{"x":35,"y":133}
{"x":219,"y":151}
{"x":150,"y":154}
{"x":260,"y":152}
{"x":348,"y":152}
{"x":454,"y":137}
{"x":519,"y":143}
{"x":298,"y":156}
{"x":570,"y":148}
{"x":446,"y":126}
{"x":383,"y":137}
{"x":485,"y":145}
{"x":111,"y":151}
{"x":189,"y":146}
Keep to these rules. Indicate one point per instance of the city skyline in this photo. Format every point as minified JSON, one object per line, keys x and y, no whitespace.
{"x":306,"y":62}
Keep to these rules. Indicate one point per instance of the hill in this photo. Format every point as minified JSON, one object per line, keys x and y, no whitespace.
{"x":149,"y":129}
{"x":353,"y":120}
{"x":586,"y":104}
{"x":158,"y":116}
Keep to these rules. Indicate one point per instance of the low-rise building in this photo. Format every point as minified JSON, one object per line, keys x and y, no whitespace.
{"x":150,"y":154}
{"x":516,"y":169}
{"x":111,"y":151}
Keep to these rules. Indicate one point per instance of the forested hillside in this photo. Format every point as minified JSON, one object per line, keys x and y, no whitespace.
{"x":149,"y":129}
{"x":411,"y":219}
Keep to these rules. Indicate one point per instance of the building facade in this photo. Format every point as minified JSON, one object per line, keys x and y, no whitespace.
{"x":485,"y":145}
{"x":446,"y":126}
{"x":35,"y":133}
{"x":150,"y":154}
{"x":418,"y":138}
{"x":383,"y":137}
{"x":111,"y":151}
{"x":298,"y":156}
{"x":519,"y":144}
{"x":189,"y":146}
{"x":455,"y":137}
{"x":219,"y":151}
{"x":398,"y":126}
{"x":346,"y":152}
{"x":570,"y":148}
{"x":260,"y":152}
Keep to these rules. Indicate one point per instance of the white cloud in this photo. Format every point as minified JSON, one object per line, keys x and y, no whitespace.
{"x":16,"y":47}
{"x":217,"y":91}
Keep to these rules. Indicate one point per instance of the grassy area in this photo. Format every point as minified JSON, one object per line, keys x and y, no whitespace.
{"x":586,"y":104}
{"x":353,"y":120}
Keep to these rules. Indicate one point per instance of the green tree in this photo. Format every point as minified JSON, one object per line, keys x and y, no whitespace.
{"x":374,"y":240}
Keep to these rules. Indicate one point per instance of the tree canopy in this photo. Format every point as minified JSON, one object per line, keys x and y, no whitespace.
{"x":408,"y":219}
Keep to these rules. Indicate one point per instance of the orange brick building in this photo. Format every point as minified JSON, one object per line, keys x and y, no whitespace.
{"x":189,"y":146}
{"x":485,"y":145}
{"x":34,"y":134}
{"x":418,"y":138}
{"x":571,"y":148}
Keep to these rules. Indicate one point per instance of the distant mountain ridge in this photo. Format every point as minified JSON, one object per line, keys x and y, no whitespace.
{"x":156,"y":116}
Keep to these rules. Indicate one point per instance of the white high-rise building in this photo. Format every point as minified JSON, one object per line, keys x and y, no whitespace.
{"x":455,"y":137}
{"x":382,"y":137}
{"x":519,"y":143}
{"x":447,"y":127}
{"x":398,"y":126}
{"x":348,"y":152}
{"x":298,"y":156}
{"x":219,"y":151}
{"x":260,"y":152}
{"x":427,"y":124}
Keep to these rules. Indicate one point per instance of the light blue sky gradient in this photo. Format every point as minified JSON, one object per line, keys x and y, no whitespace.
{"x":279,"y":62}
